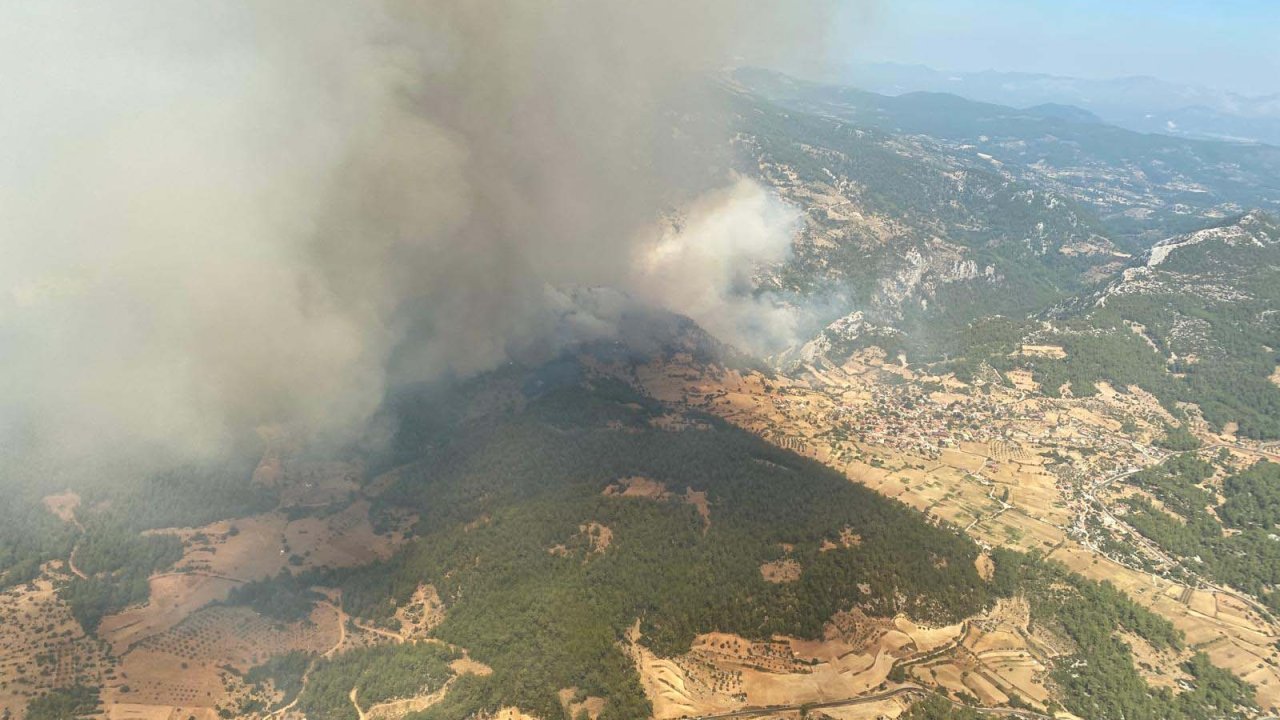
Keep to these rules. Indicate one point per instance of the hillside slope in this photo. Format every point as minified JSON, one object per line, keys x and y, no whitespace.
{"x":1145,"y":186}
{"x":1196,"y":319}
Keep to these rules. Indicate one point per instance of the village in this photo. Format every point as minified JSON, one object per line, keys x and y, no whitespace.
{"x":1005,"y":463}
{"x":994,"y":458}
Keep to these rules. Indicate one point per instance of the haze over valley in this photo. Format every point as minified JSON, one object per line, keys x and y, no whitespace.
{"x":594,"y":361}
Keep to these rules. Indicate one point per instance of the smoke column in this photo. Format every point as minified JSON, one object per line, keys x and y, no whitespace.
{"x":219,"y":216}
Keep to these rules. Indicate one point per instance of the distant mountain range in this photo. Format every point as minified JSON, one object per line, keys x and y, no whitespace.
{"x":1144,"y":187}
{"x":954,"y":231}
{"x":1144,"y":104}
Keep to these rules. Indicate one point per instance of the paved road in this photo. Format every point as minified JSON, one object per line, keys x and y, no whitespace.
{"x":1201,"y":582}
{"x":1264,"y":453}
{"x":905,"y":691}
{"x":1146,"y":543}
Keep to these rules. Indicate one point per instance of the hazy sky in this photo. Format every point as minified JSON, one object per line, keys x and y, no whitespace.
{"x":1227,"y":44}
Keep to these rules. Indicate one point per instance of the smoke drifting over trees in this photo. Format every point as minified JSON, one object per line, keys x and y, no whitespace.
{"x":225,"y":215}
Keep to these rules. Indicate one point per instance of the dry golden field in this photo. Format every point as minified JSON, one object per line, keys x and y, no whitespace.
{"x":1000,"y":461}
{"x":1004,"y":463}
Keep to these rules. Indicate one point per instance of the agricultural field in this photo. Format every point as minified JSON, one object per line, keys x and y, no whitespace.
{"x":255,"y":617}
{"x":1013,"y":469}
{"x":42,"y":647}
{"x":183,"y":652}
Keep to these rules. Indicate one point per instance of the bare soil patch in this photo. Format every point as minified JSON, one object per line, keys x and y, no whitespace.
{"x":467,"y":666}
{"x":1055,"y":352}
{"x":222,"y":555}
{"x":985,"y":566}
{"x":648,"y":488}
{"x":698,"y":499}
{"x":64,"y":506}
{"x":423,"y":612}
{"x":680,"y":687}
{"x":598,"y":536}
{"x":595,"y":536}
{"x":1158,"y":668}
{"x":1023,"y":380}
{"x":781,"y":571}
{"x":574,"y":703}
{"x":41,"y":645}
{"x":240,"y":637}
{"x":638,"y":486}
{"x":677,"y":422}
{"x":136,"y":711}
{"x":172,"y":599}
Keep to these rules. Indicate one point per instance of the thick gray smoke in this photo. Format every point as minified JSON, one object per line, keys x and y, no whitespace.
{"x":219,"y":216}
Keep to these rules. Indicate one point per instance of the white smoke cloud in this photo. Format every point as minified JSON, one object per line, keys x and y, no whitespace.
{"x":704,"y":266}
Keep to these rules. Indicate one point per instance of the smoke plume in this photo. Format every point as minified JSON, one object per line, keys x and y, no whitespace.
{"x":705,"y":266}
{"x":225,"y":215}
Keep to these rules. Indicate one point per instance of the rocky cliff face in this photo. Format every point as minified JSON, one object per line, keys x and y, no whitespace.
{"x":900,"y":230}
{"x":1195,"y":319}
{"x":1226,"y":263}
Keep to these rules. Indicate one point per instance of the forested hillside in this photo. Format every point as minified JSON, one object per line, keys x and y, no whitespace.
{"x":566,"y":518}
{"x":109,"y":516}
{"x":544,"y":565}
{"x":1196,"y":319}
{"x":956,"y":231}
{"x":1145,"y":187}
{"x":1230,"y":541}
{"x":913,"y":234}
{"x":502,"y":507}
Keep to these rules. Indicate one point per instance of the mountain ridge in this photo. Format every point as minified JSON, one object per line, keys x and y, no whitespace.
{"x":1141,"y":103}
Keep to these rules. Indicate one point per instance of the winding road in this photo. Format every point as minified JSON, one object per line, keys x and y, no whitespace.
{"x":306,"y":674}
{"x":905,"y":691}
{"x":71,"y":558}
{"x":1155,"y":550}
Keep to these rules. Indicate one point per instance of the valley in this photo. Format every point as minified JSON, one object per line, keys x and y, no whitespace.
{"x":1012,"y":468}
{"x":1016,"y":461}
